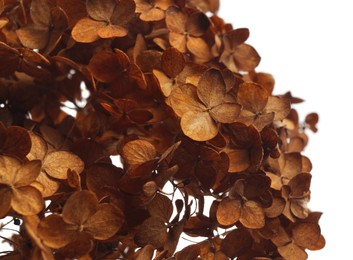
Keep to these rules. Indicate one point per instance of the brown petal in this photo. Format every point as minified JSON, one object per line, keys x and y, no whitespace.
{"x":199,"y":126}
{"x":252,"y":215}
{"x":80,"y":207}
{"x":33,"y":36}
{"x":27,"y":200}
{"x":320,"y":244}
{"x":276,"y":208}
{"x":107,"y":66}
{"x":39,"y":147}
{"x":176,"y":20}
{"x":105,"y":222}
{"x":5,"y":200}
{"x":173,"y":62}
{"x":211,"y":88}
{"x":86,"y":29}
{"x":100,"y":10}
{"x":123,"y":12}
{"x":197,"y":24}
{"x":166,"y":84}
{"x":239,"y":160}
{"x":280,"y":106}
{"x":8,"y":169}
{"x":10,"y":59}
{"x":45,"y":184}
{"x":311,"y":120}
{"x":138,"y":152}
{"x":246,"y":57}
{"x":300,"y":185}
{"x":306,"y":234}
{"x":228,"y":211}
{"x":153,"y":231}
{"x":199,"y":48}
{"x":178,"y":41}
{"x":74,"y":10}
{"x":28,"y":173}
{"x":40,"y":12}
{"x":111,"y":31}
{"x":252,"y":97}
{"x":80,"y":245}
{"x":184,"y":99}
{"x":226,"y":113}
{"x":161,"y":207}
{"x":238,"y":36}
{"x":292,"y":252}
{"x":18,"y":142}
{"x":54,"y":232}
{"x":57,"y":163}
{"x":236,"y":243}
{"x":153,"y":14}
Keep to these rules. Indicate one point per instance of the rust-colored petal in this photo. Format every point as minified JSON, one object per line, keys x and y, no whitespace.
{"x":100,"y":10}
{"x":86,"y":29}
{"x":211,"y":88}
{"x":28,"y":173}
{"x":5,"y":200}
{"x":199,"y":48}
{"x":252,"y":97}
{"x":306,"y":234}
{"x":228,"y":211}
{"x":80,"y":207}
{"x":226,"y":113}
{"x":105,"y":222}
{"x":199,"y":126}
{"x":173,"y":62}
{"x":176,"y":20}
{"x":27,"y":200}
{"x":252,"y":215}
{"x":292,"y":252}
{"x":54,"y":232}
{"x":111,"y":31}
{"x":33,"y":36}
{"x":138,"y":152}
{"x":57,"y":163}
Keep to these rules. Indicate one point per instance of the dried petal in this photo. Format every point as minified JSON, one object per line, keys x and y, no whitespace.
{"x":27,"y":200}
{"x":292,"y":252}
{"x":252,"y":215}
{"x":57,"y":163}
{"x":138,"y":152}
{"x":199,"y":126}
{"x":228,"y":212}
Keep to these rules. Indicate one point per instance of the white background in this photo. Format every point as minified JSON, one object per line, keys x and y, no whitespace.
{"x":307,"y":46}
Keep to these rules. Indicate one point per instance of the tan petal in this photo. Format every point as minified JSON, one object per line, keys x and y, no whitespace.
{"x":111,"y":31}
{"x":105,"y":222}
{"x":28,"y":173}
{"x":54,"y":232}
{"x":292,"y":252}
{"x":80,"y":207}
{"x":57,"y":163}
{"x":178,"y":41}
{"x":176,"y":20}
{"x":197,"y":24}
{"x":226,"y":113}
{"x":86,"y":29}
{"x":153,"y":14}
{"x":39,"y":147}
{"x":27,"y":200}
{"x":8,"y":169}
{"x":280,"y":106}
{"x":211,"y":88}
{"x":263,"y":120}
{"x":184,"y":99}
{"x":252,"y":215}
{"x":199,"y":126}
{"x":228,"y":211}
{"x":166,"y":84}
{"x":45,"y":184}
{"x":138,"y":152}
{"x":199,"y":48}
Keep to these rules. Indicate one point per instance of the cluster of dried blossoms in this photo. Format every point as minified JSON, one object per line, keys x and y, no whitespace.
{"x":175,"y":93}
